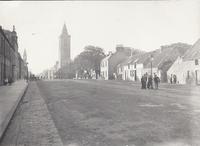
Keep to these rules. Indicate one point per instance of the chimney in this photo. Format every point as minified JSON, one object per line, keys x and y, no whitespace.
{"x":119,"y":47}
{"x":13,"y":28}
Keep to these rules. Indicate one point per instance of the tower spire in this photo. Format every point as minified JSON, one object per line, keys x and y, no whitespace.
{"x":64,"y":30}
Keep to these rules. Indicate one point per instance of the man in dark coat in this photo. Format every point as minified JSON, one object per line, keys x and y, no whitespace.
{"x":150,"y":82}
{"x":143,"y":82}
{"x":156,"y":81}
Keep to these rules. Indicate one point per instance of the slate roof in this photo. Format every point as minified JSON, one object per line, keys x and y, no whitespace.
{"x":107,"y":57}
{"x":168,"y":54}
{"x":135,"y":58}
{"x":193,"y":52}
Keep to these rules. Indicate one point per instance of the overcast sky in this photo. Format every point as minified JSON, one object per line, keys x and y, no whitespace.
{"x":143,"y":25}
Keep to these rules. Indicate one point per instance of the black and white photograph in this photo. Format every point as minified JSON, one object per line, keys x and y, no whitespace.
{"x":100,"y":73}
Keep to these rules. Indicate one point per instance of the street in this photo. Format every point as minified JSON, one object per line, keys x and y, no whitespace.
{"x":107,"y":113}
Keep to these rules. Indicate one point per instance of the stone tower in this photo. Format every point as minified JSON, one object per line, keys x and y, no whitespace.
{"x":64,"y":47}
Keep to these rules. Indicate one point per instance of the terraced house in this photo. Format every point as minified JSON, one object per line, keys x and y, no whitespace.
{"x":187,"y":67}
{"x":109,"y":64}
{"x":157,"y":61}
{"x":11,"y":64}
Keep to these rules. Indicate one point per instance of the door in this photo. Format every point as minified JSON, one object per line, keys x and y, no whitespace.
{"x":197,"y":72}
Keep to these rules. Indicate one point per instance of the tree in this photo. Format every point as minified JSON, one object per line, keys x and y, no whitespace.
{"x":89,"y":60}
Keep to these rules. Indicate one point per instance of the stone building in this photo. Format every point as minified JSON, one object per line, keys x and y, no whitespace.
{"x":64,"y":47}
{"x":10,"y":63}
{"x":109,"y":64}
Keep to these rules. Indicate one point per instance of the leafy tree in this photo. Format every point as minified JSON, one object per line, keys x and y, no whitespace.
{"x":89,"y":60}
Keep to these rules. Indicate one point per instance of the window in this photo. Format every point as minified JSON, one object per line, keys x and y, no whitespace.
{"x":196,"y":62}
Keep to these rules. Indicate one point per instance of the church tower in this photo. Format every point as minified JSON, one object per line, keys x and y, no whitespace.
{"x":64,"y":47}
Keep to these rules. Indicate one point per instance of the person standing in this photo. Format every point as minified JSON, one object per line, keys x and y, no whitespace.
{"x":174,"y":79}
{"x":150,"y":82}
{"x":143,"y":82}
{"x":156,"y":81}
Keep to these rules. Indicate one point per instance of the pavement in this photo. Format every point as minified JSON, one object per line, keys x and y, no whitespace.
{"x":31,"y":124}
{"x":10,"y":97}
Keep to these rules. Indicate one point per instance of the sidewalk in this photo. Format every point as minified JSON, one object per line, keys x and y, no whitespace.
{"x":32,"y":124}
{"x":9,"y":99}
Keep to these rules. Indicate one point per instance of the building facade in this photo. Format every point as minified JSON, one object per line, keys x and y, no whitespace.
{"x":158,"y":62}
{"x":108,"y":65}
{"x":11,"y":64}
{"x":64,"y":47}
{"x":187,"y":67}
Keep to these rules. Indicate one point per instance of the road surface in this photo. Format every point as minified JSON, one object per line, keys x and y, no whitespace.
{"x":114,"y":113}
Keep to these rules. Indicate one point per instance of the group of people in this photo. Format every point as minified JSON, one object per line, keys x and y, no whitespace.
{"x":147,"y":81}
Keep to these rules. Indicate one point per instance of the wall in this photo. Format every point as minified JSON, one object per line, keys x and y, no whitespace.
{"x":114,"y":60}
{"x":183,"y":70}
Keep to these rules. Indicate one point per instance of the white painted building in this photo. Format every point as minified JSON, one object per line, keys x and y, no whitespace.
{"x":105,"y":67}
{"x":187,"y":68}
{"x":132,"y":68}
{"x":109,"y":63}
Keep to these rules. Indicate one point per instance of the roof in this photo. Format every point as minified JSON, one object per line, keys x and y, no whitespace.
{"x":193,"y":52}
{"x":139,"y":58}
{"x":167,"y":54}
{"x":107,"y":57}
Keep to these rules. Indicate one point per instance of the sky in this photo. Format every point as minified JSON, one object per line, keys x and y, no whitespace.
{"x":144,"y":25}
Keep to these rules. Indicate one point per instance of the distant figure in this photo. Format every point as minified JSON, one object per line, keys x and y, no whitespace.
{"x":150,"y":82}
{"x":143,"y":82}
{"x":174,"y":79}
{"x":156,"y":81}
{"x":145,"y":79}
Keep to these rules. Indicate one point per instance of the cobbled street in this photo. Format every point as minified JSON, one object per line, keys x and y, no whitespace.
{"x":105,"y":113}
